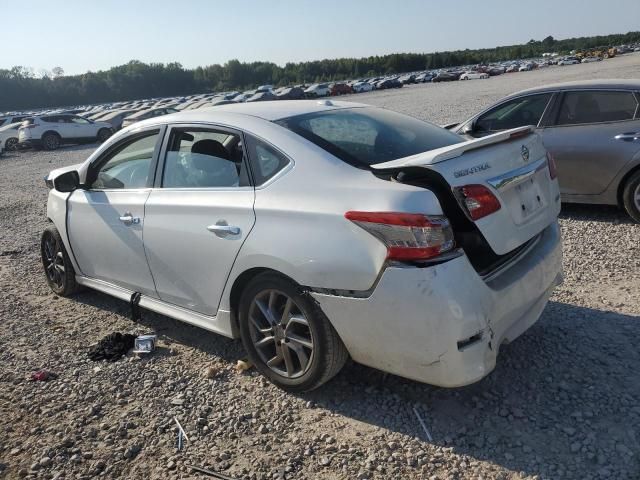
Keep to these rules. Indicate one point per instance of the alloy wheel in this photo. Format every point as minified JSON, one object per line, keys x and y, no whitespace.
{"x":11,"y":144}
{"x":54,"y":261}
{"x":281,"y":334}
{"x":51,"y":142}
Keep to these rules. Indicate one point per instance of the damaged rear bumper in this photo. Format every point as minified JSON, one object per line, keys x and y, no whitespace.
{"x":444,"y":324}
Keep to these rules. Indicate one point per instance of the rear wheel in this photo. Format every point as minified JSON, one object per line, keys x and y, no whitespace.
{"x":50,"y":141}
{"x":58,"y":270}
{"x":631,"y":196}
{"x":286,"y":335}
{"x":103,"y":134}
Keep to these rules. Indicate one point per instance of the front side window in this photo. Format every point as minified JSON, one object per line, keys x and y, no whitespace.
{"x":367,"y":136}
{"x":596,"y":106}
{"x":204,"y":158}
{"x":129,"y":165}
{"x":266,"y":161}
{"x":515,"y":113}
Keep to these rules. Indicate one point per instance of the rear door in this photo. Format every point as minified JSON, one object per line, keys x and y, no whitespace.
{"x":106,"y":219}
{"x":594,"y":134}
{"x":198,"y":215}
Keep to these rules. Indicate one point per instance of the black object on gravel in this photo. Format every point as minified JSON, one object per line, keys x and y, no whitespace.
{"x":112,"y":347}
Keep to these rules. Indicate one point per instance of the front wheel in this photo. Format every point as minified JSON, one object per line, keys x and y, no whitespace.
{"x":11,"y":144}
{"x":287,"y":336}
{"x":631,"y":196}
{"x":58,"y":270}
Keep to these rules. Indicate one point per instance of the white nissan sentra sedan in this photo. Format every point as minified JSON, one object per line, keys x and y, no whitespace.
{"x":317,"y":231}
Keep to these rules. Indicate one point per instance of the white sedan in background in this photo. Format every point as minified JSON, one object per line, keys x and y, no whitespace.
{"x":474,"y":76}
{"x":315,"y":231}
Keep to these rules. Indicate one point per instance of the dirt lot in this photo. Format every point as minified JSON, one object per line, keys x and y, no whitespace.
{"x":563,"y":402}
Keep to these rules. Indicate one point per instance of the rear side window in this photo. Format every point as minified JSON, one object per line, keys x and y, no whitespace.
{"x":266,"y":161}
{"x":596,"y":106}
{"x":514,"y":113}
{"x":367,"y":136}
{"x":204,"y":158}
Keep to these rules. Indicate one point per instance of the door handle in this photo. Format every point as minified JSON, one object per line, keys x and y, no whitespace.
{"x":129,"y":219}
{"x":222,"y":229}
{"x":628,"y":137}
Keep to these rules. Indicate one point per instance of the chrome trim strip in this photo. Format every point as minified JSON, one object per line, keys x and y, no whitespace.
{"x":517,"y":176}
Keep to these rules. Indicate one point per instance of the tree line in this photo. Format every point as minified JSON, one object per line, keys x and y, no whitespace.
{"x":21,"y":88}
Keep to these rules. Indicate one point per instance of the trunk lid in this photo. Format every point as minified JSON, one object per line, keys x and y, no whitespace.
{"x":513,"y":165}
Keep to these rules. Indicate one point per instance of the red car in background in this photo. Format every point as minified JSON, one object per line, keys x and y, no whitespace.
{"x":340,"y":89}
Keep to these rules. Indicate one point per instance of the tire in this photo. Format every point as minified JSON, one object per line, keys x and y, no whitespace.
{"x":304,"y":328}
{"x":50,"y":141}
{"x":58,"y":270}
{"x":11,"y":145}
{"x":631,"y":196}
{"x":103,"y":135}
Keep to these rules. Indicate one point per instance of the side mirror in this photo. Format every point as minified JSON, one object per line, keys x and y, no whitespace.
{"x":469,"y":128}
{"x":67,"y":182}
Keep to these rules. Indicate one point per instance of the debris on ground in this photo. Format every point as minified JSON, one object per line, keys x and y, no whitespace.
{"x":181,"y":434}
{"x":145,"y":344}
{"x":243,"y":365}
{"x":211,"y":473}
{"x":43,"y":376}
{"x":112,"y":347}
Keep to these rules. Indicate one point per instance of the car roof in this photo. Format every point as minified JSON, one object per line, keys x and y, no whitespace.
{"x":584,"y":84}
{"x":267,"y":110}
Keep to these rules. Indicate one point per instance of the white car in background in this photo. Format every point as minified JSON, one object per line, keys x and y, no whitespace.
{"x":360,"y":87}
{"x":9,"y":136}
{"x":318,"y":90}
{"x":474,"y":76}
{"x":317,"y":230}
{"x":591,"y":59}
{"x":51,"y":131}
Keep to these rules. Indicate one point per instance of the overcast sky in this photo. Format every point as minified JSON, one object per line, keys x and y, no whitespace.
{"x":82,"y":35}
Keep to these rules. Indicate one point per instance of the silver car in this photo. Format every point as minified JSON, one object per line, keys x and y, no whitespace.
{"x":592,"y":129}
{"x":316,"y":231}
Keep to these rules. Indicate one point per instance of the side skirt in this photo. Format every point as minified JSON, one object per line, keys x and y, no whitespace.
{"x":220,"y":323}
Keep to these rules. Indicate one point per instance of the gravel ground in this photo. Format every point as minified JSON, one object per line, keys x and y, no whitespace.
{"x":563,"y":402}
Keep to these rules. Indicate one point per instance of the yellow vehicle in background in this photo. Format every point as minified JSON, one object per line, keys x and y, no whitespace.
{"x":602,"y":52}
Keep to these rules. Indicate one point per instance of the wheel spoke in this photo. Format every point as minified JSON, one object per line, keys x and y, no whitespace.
{"x":300,"y":340}
{"x":303,"y":358}
{"x":264,"y":342}
{"x":286,"y":312}
{"x":277,"y":360}
{"x":259,"y":327}
{"x":266,"y":312}
{"x":288,"y":361}
{"x":297,"y":319}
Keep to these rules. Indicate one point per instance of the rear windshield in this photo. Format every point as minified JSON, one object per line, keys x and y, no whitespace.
{"x":366,"y":136}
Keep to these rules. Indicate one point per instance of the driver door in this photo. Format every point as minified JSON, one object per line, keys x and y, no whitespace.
{"x":105,"y":219}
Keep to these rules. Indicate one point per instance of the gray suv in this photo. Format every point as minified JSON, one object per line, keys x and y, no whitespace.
{"x":592,"y":129}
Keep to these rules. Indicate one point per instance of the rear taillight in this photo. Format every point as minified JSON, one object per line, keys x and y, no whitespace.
{"x":553,"y":172}
{"x":479,"y":201}
{"x":407,"y":236}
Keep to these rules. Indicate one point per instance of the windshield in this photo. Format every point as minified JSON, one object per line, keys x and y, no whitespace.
{"x":366,"y":136}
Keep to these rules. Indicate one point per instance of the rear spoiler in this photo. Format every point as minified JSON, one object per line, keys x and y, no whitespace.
{"x":452,"y":151}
